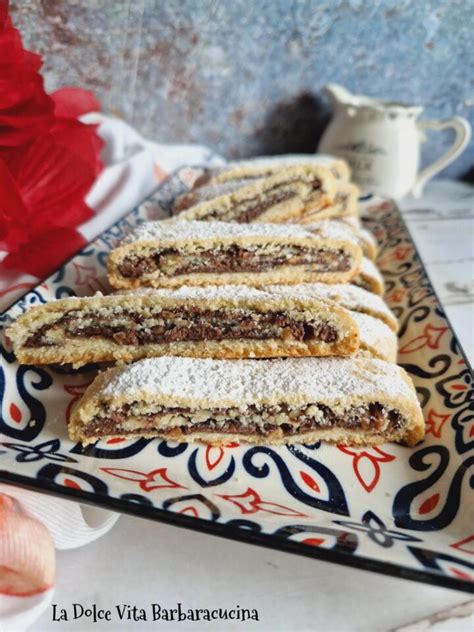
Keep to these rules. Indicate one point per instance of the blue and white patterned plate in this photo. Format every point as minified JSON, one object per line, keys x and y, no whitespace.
{"x":390,"y":509}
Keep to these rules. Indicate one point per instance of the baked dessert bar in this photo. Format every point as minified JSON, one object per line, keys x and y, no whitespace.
{"x":376,"y":323}
{"x":175,"y":253}
{"x":283,"y":196}
{"x":369,"y":277}
{"x":377,"y":340}
{"x":367,"y":241}
{"x":349,"y":296}
{"x":205,"y":194}
{"x":263,"y":166}
{"x":344,"y":205}
{"x":356,"y":401}
{"x":364,"y":238}
{"x":368,"y":244}
{"x":215,"y":322}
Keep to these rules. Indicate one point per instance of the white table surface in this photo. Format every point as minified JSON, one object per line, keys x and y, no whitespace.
{"x":142,"y":562}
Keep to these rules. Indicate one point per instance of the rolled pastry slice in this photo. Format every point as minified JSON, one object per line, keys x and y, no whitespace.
{"x":377,"y":340}
{"x":212,"y":322}
{"x":368,"y":244}
{"x":353,"y":222}
{"x":206,"y":193}
{"x":284,"y":195}
{"x":369,"y":277}
{"x":354,"y":298}
{"x":364,"y":238}
{"x":171,"y":254}
{"x":263,"y":166}
{"x":367,"y":241}
{"x":344,"y":205}
{"x":356,"y":401}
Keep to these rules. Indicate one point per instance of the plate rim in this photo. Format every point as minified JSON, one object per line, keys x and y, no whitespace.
{"x":231,"y":532}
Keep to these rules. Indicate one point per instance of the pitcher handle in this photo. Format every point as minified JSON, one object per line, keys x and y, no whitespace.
{"x":462,"y":129}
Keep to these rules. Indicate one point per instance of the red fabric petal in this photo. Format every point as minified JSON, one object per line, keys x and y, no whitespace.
{"x":3,"y":14}
{"x":23,"y":122}
{"x":80,"y":139}
{"x":16,"y":93}
{"x":25,"y":108}
{"x":56,"y":173}
{"x":74,"y":102}
{"x":13,"y":212}
{"x":12,"y":157}
{"x":48,"y":160}
{"x":46,"y":252}
{"x":11,"y":46}
{"x":23,"y":92}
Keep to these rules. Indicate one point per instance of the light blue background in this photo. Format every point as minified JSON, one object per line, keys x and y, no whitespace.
{"x":231,"y":73}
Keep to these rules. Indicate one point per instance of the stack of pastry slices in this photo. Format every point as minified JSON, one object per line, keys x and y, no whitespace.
{"x":255,"y":314}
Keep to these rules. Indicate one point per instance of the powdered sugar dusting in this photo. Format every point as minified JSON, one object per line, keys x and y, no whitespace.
{"x":352,"y":222}
{"x":331,"y":229}
{"x":349,"y":296}
{"x":211,"y":191}
{"x":171,"y":231}
{"x":263,"y":162}
{"x":366,"y":235}
{"x":211,"y":292}
{"x":214,"y":383}
{"x":375,"y":334}
{"x":369,"y":269}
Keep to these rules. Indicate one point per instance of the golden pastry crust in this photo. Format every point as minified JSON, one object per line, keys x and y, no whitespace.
{"x":290,"y":275}
{"x":263,"y":166}
{"x":134,"y":311}
{"x":368,"y":244}
{"x":92,"y":351}
{"x":282,"y":196}
{"x":369,"y":277}
{"x":376,"y":339}
{"x":172,"y":394}
{"x":353,"y":298}
{"x":364,"y":238}
{"x":192,"y":239}
{"x":345,"y":204}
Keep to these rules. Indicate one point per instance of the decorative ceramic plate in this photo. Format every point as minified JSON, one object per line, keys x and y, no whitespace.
{"x":390,"y":509}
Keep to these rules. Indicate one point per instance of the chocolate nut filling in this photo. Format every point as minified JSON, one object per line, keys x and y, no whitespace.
{"x":373,"y":418}
{"x":172,"y":325}
{"x":250,"y":213}
{"x":245,"y":211}
{"x":233,"y":259}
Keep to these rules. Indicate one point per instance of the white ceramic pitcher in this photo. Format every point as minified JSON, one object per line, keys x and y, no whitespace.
{"x":381,"y":142}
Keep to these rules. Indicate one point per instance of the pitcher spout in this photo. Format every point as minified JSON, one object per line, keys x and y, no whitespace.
{"x":338,"y":94}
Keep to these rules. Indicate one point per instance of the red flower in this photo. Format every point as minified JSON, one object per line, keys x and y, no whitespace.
{"x":25,"y":108}
{"x":48,"y":161}
{"x":46,"y":186}
{"x":73,"y":102}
